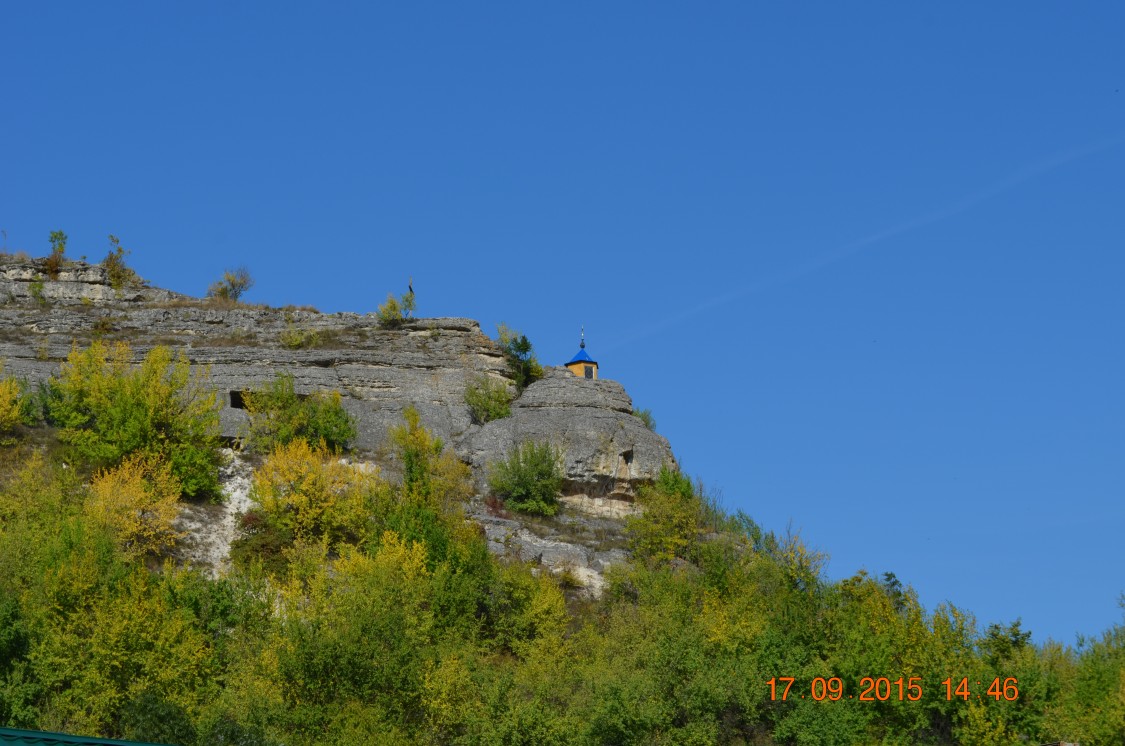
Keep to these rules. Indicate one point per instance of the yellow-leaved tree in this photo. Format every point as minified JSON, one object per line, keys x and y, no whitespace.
{"x":669,"y":524}
{"x":107,"y":408}
{"x":311,"y":493}
{"x":137,"y":502}
{"x":13,"y":405}
{"x":9,"y":405}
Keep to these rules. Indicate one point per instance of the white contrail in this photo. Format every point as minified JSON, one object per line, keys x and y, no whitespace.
{"x":839,"y":253}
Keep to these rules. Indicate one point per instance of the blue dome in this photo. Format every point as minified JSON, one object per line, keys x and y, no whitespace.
{"x":582,"y":357}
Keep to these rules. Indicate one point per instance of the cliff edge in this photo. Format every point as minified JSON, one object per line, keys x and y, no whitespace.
{"x":424,"y":363}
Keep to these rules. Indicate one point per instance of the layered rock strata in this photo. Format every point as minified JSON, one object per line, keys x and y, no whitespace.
{"x":426,"y":363}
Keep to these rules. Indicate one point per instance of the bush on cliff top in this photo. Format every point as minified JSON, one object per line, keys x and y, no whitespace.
{"x":522,"y":362}
{"x":119,"y":274}
{"x":396,"y":310}
{"x":231,"y":286}
{"x":54,"y":262}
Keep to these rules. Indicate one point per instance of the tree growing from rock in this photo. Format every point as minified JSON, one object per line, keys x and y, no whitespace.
{"x":54,"y":260}
{"x":119,"y":274}
{"x":232,"y":285}
{"x":488,"y":399}
{"x":396,"y":310}
{"x":278,"y":415}
{"x":522,"y":362}
{"x":530,"y":479}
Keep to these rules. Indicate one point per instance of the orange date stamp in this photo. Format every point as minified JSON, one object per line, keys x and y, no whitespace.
{"x":883,"y":688}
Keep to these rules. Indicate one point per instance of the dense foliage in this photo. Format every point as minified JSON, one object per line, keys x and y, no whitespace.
{"x":395,"y":311}
{"x":119,"y":274}
{"x":17,"y":405}
{"x":364,"y":609}
{"x":488,"y":399}
{"x":524,"y":366}
{"x":9,"y":405}
{"x":530,"y":479}
{"x":231,"y":286}
{"x":136,"y":503}
{"x":278,"y":415}
{"x":107,"y":408}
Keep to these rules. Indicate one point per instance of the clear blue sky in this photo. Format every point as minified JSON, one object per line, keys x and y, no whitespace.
{"x":863,"y":261}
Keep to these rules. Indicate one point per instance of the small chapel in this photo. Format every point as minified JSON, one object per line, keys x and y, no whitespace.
{"x":582,"y":365}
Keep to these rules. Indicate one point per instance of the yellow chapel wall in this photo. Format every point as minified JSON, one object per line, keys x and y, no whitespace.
{"x":579,"y":369}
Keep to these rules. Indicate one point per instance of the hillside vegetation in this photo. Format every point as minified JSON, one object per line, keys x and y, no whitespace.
{"x":367,"y":610}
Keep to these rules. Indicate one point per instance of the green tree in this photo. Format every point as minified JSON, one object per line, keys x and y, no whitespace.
{"x":356,"y":641}
{"x":150,"y":717}
{"x":105,"y":635}
{"x":55,"y":259}
{"x":1089,"y":699}
{"x":119,"y":274}
{"x":418,"y":451}
{"x":107,"y":409}
{"x":530,"y":479}
{"x":395,"y":311}
{"x":669,"y":523}
{"x":522,"y":363}
{"x":232,"y":285}
{"x":278,"y":415}
{"x":488,"y":399}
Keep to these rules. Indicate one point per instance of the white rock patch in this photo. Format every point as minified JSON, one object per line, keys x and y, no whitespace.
{"x":210,"y":528}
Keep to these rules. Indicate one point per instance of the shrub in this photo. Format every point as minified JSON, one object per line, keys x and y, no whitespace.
{"x":9,"y":405}
{"x":137,"y":501}
{"x":417,"y":449}
{"x":102,"y":327}
{"x":36,"y":289}
{"x":107,"y":409}
{"x":279,"y":416}
{"x":233,"y":284}
{"x":296,"y":338}
{"x":120,"y":275}
{"x":530,"y":479}
{"x":54,"y":262}
{"x":488,"y":399}
{"x":150,"y":717}
{"x":521,"y":359}
{"x":645,"y":416}
{"x":432,"y":477}
{"x":306,"y":491}
{"x":670,"y":521}
{"x":17,"y":405}
{"x":395,"y":311}
{"x":261,"y":541}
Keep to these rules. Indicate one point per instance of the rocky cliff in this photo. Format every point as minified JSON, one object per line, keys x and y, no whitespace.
{"x":426,"y":363}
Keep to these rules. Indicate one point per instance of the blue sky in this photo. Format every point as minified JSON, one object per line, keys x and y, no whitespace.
{"x":863,"y":261}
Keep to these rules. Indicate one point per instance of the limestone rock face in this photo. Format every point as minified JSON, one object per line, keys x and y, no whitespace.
{"x":607,"y":451}
{"x":77,"y":282}
{"x":426,"y":363}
